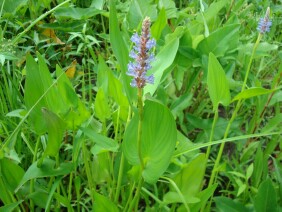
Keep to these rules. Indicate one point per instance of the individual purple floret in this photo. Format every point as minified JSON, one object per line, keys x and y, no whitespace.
{"x":142,"y":56}
{"x":264,"y":23}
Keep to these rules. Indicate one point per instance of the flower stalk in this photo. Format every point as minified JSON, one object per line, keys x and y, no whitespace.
{"x":141,"y":55}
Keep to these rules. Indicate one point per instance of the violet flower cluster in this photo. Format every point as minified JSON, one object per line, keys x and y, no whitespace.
{"x":265,"y":23}
{"x":142,"y":56}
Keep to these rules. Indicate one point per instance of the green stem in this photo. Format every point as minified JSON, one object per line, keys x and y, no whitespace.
{"x":139,"y":143}
{"x":215,"y":118}
{"x":129,"y":197}
{"x":134,"y":202}
{"x":120,"y":174}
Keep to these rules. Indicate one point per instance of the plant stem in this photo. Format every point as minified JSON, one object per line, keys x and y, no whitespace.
{"x":139,"y":143}
{"x":134,"y":202}
{"x":215,"y":118}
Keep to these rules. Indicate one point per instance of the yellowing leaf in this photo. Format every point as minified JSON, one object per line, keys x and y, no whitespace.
{"x":50,"y":33}
{"x":70,"y":72}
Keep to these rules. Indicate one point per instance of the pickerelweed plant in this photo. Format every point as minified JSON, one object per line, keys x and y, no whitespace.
{"x":142,"y":56}
{"x":263,"y":27}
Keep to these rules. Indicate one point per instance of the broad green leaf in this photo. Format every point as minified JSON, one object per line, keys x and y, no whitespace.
{"x":213,"y":10}
{"x":105,"y":143}
{"x":11,"y":173}
{"x":163,"y":60}
{"x":220,"y":40}
{"x":102,"y":204}
{"x":159,"y":25}
{"x":101,"y":106}
{"x":218,"y":86}
{"x":52,"y":97}
{"x":138,"y":10}
{"x":47,"y":169}
{"x":170,"y":8}
{"x":251,"y":92}
{"x":266,"y":199}
{"x":76,"y":13}
{"x":158,"y":140}
{"x":34,"y":89}
{"x":115,"y":90}
{"x":183,"y":143}
{"x":192,"y":172}
{"x":73,"y":111}
{"x":55,"y":129}
{"x":120,"y":50}
{"x":225,"y":204}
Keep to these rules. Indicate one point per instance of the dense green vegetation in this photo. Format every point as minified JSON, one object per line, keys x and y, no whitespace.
{"x":135,"y":105}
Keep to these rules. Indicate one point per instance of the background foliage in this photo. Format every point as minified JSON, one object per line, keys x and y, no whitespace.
{"x":68,"y":117}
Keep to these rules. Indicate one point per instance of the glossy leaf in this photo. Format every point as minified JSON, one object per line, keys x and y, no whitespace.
{"x":34,"y":89}
{"x":220,"y":40}
{"x":47,"y":169}
{"x":158,"y":140}
{"x":218,"y":86}
{"x":265,"y":199}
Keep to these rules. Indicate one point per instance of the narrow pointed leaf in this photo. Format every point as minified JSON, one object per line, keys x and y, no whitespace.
{"x":251,"y":92}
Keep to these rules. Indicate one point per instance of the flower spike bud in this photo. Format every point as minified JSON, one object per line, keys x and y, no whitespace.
{"x":265,"y":23}
{"x":142,"y":56}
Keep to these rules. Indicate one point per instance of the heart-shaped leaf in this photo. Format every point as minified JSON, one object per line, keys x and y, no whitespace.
{"x":158,"y":140}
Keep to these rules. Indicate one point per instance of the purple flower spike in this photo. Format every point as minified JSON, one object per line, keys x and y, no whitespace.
{"x":142,"y":56}
{"x":265,"y":23}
